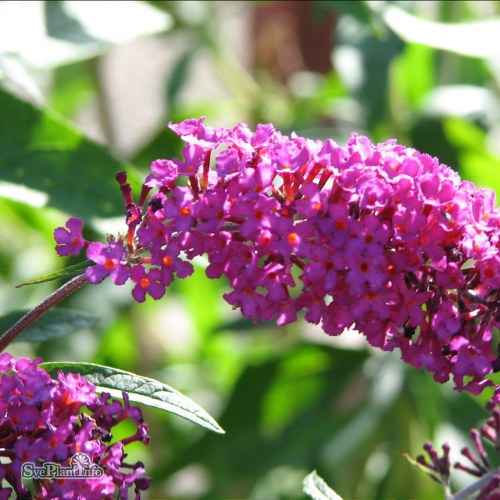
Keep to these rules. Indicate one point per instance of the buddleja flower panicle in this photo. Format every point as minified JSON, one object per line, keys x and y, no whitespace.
{"x":379,"y":237}
{"x":45,"y":420}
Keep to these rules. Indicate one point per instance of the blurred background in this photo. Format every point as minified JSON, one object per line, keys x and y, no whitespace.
{"x":86,"y":90}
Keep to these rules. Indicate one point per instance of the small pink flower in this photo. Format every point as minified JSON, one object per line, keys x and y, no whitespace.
{"x":151,"y":282}
{"x":70,"y":241}
{"x":109,"y":260}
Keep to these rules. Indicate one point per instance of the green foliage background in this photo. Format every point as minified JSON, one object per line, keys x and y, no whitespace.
{"x":290,"y":399}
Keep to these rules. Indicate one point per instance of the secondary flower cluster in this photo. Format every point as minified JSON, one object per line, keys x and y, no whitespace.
{"x":380,"y":237}
{"x":479,"y":464}
{"x":46,"y":421}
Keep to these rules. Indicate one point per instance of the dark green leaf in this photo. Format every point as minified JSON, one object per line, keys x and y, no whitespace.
{"x":428,"y":135}
{"x":54,"y":324}
{"x":41,"y":152}
{"x":67,"y":272}
{"x":140,"y":390}
{"x":317,"y":489}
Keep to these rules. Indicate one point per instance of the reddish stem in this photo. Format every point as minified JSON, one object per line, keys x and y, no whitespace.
{"x":38,"y":311}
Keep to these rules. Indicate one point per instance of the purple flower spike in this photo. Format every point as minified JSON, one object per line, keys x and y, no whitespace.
{"x":69,"y":241}
{"x":378,"y":237}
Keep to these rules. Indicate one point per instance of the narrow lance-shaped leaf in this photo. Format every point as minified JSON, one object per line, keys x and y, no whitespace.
{"x":139,"y":389}
{"x":67,"y":272}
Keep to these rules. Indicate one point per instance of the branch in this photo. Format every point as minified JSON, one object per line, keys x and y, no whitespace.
{"x":38,"y":311}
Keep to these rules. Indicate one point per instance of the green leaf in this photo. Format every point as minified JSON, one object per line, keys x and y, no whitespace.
{"x":67,"y":272}
{"x":477,"y":164}
{"x":53,"y":324}
{"x":72,"y":87}
{"x":202,"y":296}
{"x":41,"y":152}
{"x":140,"y":390}
{"x":317,"y":489}
{"x":414,"y":71}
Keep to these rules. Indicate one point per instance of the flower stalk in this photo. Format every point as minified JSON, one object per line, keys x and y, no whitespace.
{"x":38,"y":311}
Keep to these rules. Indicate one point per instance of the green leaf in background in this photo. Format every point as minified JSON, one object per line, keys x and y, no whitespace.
{"x":54,"y":324}
{"x":477,"y":164}
{"x":140,"y":390}
{"x":73,"y":87}
{"x":415,"y":85}
{"x":43,"y":153}
{"x":178,"y":77}
{"x":317,"y":489}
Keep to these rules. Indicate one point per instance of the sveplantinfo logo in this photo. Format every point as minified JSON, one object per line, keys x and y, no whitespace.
{"x":79,"y":467}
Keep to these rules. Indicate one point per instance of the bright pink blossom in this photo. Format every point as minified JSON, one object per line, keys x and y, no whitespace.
{"x":70,"y":241}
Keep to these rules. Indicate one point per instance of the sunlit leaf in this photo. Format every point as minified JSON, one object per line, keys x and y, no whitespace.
{"x":131,"y":20}
{"x":140,"y":389}
{"x":54,"y":324}
{"x":459,"y":100}
{"x":317,"y":489}
{"x":72,"y":31}
{"x":14,"y":76}
{"x":475,"y":39}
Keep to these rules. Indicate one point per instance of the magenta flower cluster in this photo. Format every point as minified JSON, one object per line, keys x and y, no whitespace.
{"x":46,"y":421}
{"x":379,"y":237}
